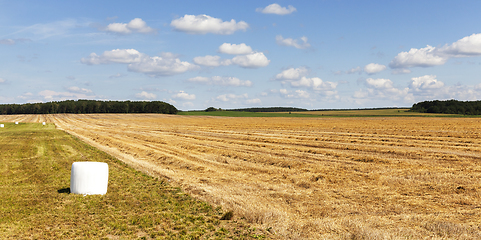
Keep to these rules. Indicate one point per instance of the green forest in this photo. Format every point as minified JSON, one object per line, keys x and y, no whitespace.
{"x":88,"y":106}
{"x":448,"y":107}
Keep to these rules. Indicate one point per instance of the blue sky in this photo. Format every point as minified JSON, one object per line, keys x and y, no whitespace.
{"x":238,"y":54}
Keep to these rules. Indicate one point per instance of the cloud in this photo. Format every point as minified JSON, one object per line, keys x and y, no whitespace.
{"x":222,"y":81}
{"x":294,"y":94}
{"x":203,"y":24}
{"x":250,"y":60}
{"x":379,"y":83}
{"x":183,"y":96}
{"x":231,"y":97}
{"x":315,"y":83}
{"x":400,"y":71}
{"x":235,"y":49}
{"x":354,"y":70}
{"x":381,"y":89}
{"x":292,"y":42}
{"x":145,"y":95}
{"x":424,"y":57}
{"x":419,"y":89}
{"x":277,"y":9}
{"x":136,"y":25}
{"x":253,"y":101}
{"x":75,"y":89}
{"x":25,"y":95}
{"x":292,"y":73}
{"x":211,"y":61}
{"x":431,"y":56}
{"x":372,"y":68}
{"x":296,"y":77}
{"x":49,"y":95}
{"x":114,"y":56}
{"x":2,"y":80}
{"x":253,"y":60}
{"x":425,"y":83}
{"x":465,"y":47}
{"x":165,"y":65}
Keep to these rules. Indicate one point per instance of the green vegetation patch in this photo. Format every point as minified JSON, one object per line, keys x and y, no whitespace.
{"x":35,"y":164}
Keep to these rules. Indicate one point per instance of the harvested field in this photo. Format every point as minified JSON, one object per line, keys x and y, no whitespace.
{"x":347,"y":178}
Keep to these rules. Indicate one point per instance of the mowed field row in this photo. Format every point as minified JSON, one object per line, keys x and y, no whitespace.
{"x":372,"y":178}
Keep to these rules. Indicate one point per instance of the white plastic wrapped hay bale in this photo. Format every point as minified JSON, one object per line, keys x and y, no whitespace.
{"x":43,"y":123}
{"x":89,"y":178}
{"x":16,"y":123}
{"x":1,"y":125}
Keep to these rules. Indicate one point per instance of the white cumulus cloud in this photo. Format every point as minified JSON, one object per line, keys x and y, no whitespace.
{"x":465,"y":47}
{"x":379,"y":83}
{"x":236,"y":49}
{"x":230,"y":97}
{"x":212,"y":61}
{"x":372,"y":68}
{"x":314,"y":83}
{"x":165,"y":65}
{"x":293,"y":42}
{"x":145,"y":95}
{"x":114,"y":56}
{"x":431,"y":56}
{"x":253,"y":60}
{"x":136,"y":25}
{"x":381,"y":89}
{"x":76,"y":89}
{"x":294,"y":94}
{"x":277,"y":9}
{"x":253,"y":101}
{"x":222,"y":81}
{"x":203,"y":24}
{"x":183,"y":96}
{"x":424,"y":57}
{"x":426,"y":82}
{"x":292,"y":73}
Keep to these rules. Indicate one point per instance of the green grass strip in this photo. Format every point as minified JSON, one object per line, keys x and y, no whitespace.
{"x":35,"y":164}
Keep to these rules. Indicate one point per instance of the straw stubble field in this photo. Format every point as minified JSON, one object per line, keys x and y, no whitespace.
{"x":356,"y":178}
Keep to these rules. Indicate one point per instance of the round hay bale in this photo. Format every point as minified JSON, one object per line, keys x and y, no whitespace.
{"x":89,"y":178}
{"x":16,"y":123}
{"x":43,"y":123}
{"x":1,"y":125}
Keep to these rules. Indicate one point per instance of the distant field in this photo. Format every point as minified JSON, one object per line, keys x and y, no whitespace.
{"x":333,"y":113}
{"x":35,"y":203}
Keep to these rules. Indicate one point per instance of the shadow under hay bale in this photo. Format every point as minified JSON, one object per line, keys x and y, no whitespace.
{"x":64,"y":190}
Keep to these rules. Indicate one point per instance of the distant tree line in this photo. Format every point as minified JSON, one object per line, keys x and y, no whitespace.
{"x":270,"y":109}
{"x":449,"y":107}
{"x":88,"y":106}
